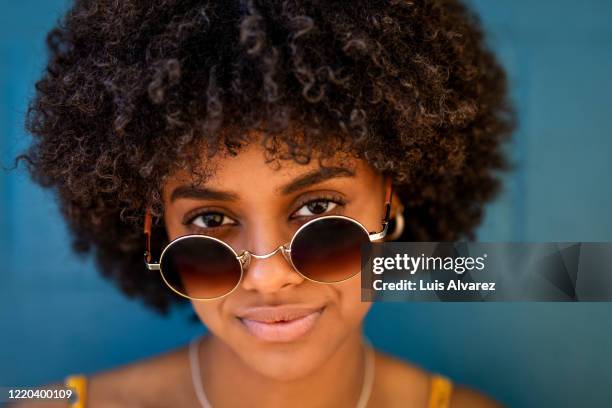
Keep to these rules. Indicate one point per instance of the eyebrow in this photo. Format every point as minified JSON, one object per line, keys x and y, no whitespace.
{"x":307,"y":180}
{"x":315,"y":177}
{"x":201,"y":193}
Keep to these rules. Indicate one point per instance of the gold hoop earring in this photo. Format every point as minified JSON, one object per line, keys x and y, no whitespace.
{"x":399,"y":226}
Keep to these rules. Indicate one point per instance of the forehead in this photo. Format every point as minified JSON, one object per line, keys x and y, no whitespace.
{"x":252,"y":170}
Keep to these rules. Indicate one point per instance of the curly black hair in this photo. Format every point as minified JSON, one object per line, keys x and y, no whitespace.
{"x":134,"y":89}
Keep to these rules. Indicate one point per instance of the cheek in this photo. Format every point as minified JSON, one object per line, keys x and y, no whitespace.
{"x":352,"y":309}
{"x":209,"y":314}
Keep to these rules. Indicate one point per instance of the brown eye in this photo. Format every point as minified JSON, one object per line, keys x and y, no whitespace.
{"x":315,"y":207}
{"x":211,"y":220}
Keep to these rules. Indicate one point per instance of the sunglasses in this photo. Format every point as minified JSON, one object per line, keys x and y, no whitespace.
{"x":326,"y":249}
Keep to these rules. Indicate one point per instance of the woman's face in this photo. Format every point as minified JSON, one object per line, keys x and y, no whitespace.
{"x":255,"y":206}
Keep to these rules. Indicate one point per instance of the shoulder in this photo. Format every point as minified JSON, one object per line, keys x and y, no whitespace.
{"x":148,"y":382}
{"x":404,"y":384}
{"x":153,"y":381}
{"x":399,"y":383}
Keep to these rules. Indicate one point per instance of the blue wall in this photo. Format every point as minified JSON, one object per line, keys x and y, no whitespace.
{"x":57,"y":316}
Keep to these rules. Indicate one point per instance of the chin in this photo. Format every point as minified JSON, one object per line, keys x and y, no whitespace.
{"x":287,"y":362}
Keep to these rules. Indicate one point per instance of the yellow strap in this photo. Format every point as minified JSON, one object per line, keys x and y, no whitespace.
{"x":78,"y":383}
{"x":440,"y":392}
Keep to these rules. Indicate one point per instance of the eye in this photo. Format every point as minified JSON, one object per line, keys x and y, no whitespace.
{"x":315,"y":207}
{"x":210,"y":220}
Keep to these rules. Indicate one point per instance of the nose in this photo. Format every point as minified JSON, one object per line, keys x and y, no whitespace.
{"x":270,"y":271}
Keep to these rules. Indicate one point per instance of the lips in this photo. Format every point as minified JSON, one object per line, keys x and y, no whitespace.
{"x":280,"y":323}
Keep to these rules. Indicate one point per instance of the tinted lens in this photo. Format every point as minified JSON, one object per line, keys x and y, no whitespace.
{"x":328,"y":250}
{"x":200,"y":267}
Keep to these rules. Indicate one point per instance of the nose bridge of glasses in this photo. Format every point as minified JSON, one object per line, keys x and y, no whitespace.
{"x":270,"y":254}
{"x":245,"y":257}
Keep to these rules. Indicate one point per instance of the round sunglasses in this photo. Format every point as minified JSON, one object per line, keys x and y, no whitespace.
{"x":326,"y":249}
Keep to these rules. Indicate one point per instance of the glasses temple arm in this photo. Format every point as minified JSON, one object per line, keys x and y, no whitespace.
{"x":388,"y":197}
{"x":375,"y":236}
{"x":147,"y":232}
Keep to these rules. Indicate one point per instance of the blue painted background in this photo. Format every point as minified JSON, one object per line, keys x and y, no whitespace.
{"x":57,"y":316}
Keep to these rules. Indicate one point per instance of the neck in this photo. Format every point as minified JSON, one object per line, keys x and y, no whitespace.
{"x":229,"y":381}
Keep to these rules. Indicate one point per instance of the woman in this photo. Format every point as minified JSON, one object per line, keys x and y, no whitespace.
{"x":242,"y":136}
